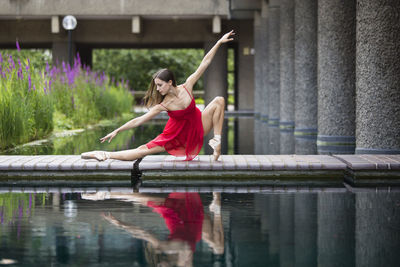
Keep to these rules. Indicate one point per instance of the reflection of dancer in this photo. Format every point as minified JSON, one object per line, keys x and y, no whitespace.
{"x":184,"y":131}
{"x":184,"y":217}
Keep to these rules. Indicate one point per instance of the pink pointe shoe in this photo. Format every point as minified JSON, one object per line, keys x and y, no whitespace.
{"x":215,"y":143}
{"x":98,"y":155}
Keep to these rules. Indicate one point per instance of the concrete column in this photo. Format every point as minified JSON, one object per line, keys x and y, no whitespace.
{"x":286,"y":123}
{"x":305,"y":230}
{"x":336,"y":229}
{"x":216,"y":84}
{"x":274,"y":76}
{"x":258,"y":63}
{"x":264,"y":97}
{"x":286,"y":230}
{"x":245,"y":135}
{"x":377,"y":224}
{"x":215,"y":77}
{"x":336,"y":76}
{"x":378,"y":82}
{"x":60,"y":51}
{"x":245,"y":74}
{"x":306,"y":76}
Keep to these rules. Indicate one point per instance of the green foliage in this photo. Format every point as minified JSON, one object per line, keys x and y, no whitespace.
{"x":138,"y":65}
{"x":29,"y":96}
{"x":25,"y":108}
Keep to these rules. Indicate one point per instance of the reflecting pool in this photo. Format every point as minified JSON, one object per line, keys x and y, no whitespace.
{"x":201,"y":229}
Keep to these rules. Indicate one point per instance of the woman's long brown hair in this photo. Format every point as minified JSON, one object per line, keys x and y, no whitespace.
{"x":152,"y":96}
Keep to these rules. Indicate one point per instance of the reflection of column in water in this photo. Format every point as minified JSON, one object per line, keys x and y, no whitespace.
{"x":274,"y":140}
{"x":249,"y":245}
{"x":305,"y":230}
{"x":56,"y":201}
{"x":286,"y":229}
{"x":244,"y":135}
{"x":378,"y":229}
{"x":274,"y":230}
{"x":261,"y":204}
{"x":286,"y":143}
{"x":336,"y":213}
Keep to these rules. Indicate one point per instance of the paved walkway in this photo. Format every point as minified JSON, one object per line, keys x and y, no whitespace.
{"x":242,"y":169}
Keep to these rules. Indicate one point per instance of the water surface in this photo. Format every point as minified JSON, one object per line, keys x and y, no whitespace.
{"x":207,"y":229}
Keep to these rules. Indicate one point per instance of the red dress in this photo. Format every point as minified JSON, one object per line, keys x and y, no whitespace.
{"x":183,"y":215}
{"x":183,"y":133}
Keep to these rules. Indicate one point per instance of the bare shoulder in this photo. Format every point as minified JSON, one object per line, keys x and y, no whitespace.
{"x":188,"y":86}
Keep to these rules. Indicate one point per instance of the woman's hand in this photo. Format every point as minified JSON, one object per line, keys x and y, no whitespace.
{"x":226,"y":38}
{"x":109,"y":136}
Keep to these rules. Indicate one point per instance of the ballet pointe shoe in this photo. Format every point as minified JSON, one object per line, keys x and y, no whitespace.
{"x":98,"y":155}
{"x":216,"y":145}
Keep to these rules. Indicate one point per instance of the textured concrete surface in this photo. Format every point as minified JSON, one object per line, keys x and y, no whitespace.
{"x":336,"y":73}
{"x":215,"y":76}
{"x":258,"y":62}
{"x":265,"y":59}
{"x":114,"y":8}
{"x":273,"y":62}
{"x":170,"y":163}
{"x":287,"y":101}
{"x":306,"y":64}
{"x":378,"y":72}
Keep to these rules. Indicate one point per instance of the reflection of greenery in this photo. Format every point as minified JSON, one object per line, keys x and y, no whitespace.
{"x":19,"y":205}
{"x":89,"y":140}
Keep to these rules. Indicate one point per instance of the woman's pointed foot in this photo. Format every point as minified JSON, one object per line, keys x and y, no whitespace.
{"x":215,"y":143}
{"x":98,"y":155}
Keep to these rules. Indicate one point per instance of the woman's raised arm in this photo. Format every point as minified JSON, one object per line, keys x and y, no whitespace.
{"x":192,"y":79}
{"x":134,"y":123}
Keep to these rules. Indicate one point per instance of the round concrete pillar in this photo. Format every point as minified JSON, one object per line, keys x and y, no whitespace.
{"x":377,"y":235}
{"x":264,"y":97}
{"x":336,"y":221}
{"x":215,"y":77}
{"x":60,"y":52}
{"x":274,"y":65}
{"x":258,"y":63}
{"x":336,"y":76}
{"x":378,"y":72}
{"x":305,"y":230}
{"x":216,"y":84}
{"x":305,"y":64}
{"x":286,"y":123}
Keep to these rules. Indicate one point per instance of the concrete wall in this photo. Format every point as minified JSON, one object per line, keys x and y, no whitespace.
{"x":109,"y":8}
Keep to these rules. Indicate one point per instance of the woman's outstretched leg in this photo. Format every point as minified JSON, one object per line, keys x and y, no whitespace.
{"x":213,"y":118}
{"x":131,"y":154}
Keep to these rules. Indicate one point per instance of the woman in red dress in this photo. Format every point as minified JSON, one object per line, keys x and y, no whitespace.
{"x":184,"y":131}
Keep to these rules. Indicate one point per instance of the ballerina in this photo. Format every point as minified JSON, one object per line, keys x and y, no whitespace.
{"x":183,"y":134}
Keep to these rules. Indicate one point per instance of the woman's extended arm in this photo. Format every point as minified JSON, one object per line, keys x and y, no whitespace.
{"x":192,"y":79}
{"x":133,"y":123}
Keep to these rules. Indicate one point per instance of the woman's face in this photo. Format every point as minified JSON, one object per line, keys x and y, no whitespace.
{"x":162,"y":86}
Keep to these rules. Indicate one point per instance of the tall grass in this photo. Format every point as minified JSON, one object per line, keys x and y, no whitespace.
{"x":29,"y":98}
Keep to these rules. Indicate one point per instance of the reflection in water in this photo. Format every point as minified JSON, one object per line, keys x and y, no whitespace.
{"x":183,"y":229}
{"x":184,"y":217}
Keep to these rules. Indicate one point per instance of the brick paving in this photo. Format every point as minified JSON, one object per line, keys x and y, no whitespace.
{"x":203,"y":165}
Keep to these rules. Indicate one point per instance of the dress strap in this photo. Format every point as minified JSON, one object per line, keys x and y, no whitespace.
{"x":188,"y":91}
{"x":163,"y":106}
